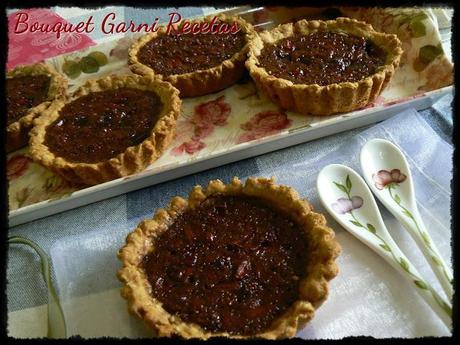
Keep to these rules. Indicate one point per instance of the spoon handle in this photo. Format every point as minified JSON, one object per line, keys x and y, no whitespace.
{"x":394,"y":188}
{"x":413,"y":222}
{"x":390,"y":251}
{"x":380,"y":240}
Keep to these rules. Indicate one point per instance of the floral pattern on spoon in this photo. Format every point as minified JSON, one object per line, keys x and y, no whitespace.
{"x":388,"y":175}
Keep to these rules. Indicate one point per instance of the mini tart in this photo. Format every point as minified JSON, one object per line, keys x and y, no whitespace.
{"x":332,"y":98}
{"x":150,"y":145}
{"x":311,"y":288}
{"x":202,"y":81}
{"x":18,"y":129}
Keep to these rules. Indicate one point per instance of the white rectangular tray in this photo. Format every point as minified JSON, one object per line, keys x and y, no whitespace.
{"x":224,"y":144}
{"x":242,"y":151}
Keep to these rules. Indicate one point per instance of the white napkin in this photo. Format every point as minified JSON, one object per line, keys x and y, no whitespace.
{"x":368,"y":297}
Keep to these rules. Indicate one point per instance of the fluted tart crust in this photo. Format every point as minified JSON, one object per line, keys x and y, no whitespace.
{"x":107,"y":109}
{"x":318,"y":98}
{"x":17,"y":131}
{"x":204,"y":80}
{"x":148,"y":240}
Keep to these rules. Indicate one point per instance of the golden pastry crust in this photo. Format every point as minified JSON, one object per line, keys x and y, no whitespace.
{"x":17,"y":133}
{"x":200,"y":82}
{"x":313,"y":289}
{"x":330,"y":99}
{"x":134,"y":158}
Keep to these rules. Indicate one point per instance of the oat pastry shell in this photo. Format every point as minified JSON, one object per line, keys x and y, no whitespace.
{"x":200,"y":82}
{"x":313,"y":289}
{"x":17,"y":133}
{"x":135,"y":158}
{"x":330,"y":99}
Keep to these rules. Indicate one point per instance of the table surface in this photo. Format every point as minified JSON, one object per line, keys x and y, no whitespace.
{"x":26,"y":289}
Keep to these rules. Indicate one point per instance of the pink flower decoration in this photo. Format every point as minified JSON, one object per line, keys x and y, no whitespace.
{"x":263,"y":124}
{"x":385,"y":177}
{"x":192,"y":146}
{"x":206,"y":117}
{"x":344,"y":205}
{"x":213,"y":112}
{"x":17,"y":166}
{"x":30,"y":47}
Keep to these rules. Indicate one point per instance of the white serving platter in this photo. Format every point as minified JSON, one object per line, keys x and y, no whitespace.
{"x":230,"y":140}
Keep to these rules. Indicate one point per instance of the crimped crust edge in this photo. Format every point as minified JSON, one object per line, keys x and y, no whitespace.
{"x":134,"y":158}
{"x":314,"y":99}
{"x":313,"y":288}
{"x":201,"y":82}
{"x":17,"y":133}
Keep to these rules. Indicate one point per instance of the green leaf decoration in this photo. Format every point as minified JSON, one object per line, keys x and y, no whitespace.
{"x":22,"y":195}
{"x":89,"y":64}
{"x":397,"y":199}
{"x":341,"y":187}
{"x":56,"y":320}
{"x":407,"y":213}
{"x":403,"y":263}
{"x":385,"y":247}
{"x":100,"y":57}
{"x":390,"y":185}
{"x":421,"y":284}
{"x":354,"y":222}
{"x":428,"y":53}
{"x":403,"y":19}
{"x":410,"y":17}
{"x":419,"y":16}
{"x":71,"y":69}
{"x":446,"y":308}
{"x":426,"y":238}
{"x":417,"y":28}
{"x":348,"y":182}
{"x":371,"y":228}
{"x":436,"y":260}
{"x":444,"y":305}
{"x":419,"y":65}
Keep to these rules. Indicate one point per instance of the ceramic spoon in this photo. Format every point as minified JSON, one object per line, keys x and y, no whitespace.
{"x":388,"y":175}
{"x":347,"y":198}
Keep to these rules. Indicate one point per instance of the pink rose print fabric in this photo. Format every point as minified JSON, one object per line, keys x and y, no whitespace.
{"x":205,"y":118}
{"x":263,"y":124}
{"x":31,"y":47}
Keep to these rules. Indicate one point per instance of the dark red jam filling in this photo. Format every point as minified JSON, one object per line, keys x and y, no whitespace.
{"x":179,"y":54}
{"x":231,"y":265}
{"x":23,"y":93}
{"x":322,"y":58}
{"x":100,"y":125}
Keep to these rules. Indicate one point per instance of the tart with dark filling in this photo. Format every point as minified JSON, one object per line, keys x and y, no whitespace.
{"x":109,"y":128}
{"x":239,"y":260}
{"x":196,"y":64}
{"x":29,"y":91}
{"x":323,"y":67}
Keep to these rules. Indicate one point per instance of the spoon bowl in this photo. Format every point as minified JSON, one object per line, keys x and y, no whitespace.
{"x":388,"y":175}
{"x":345,"y":195}
{"x":382,"y":164}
